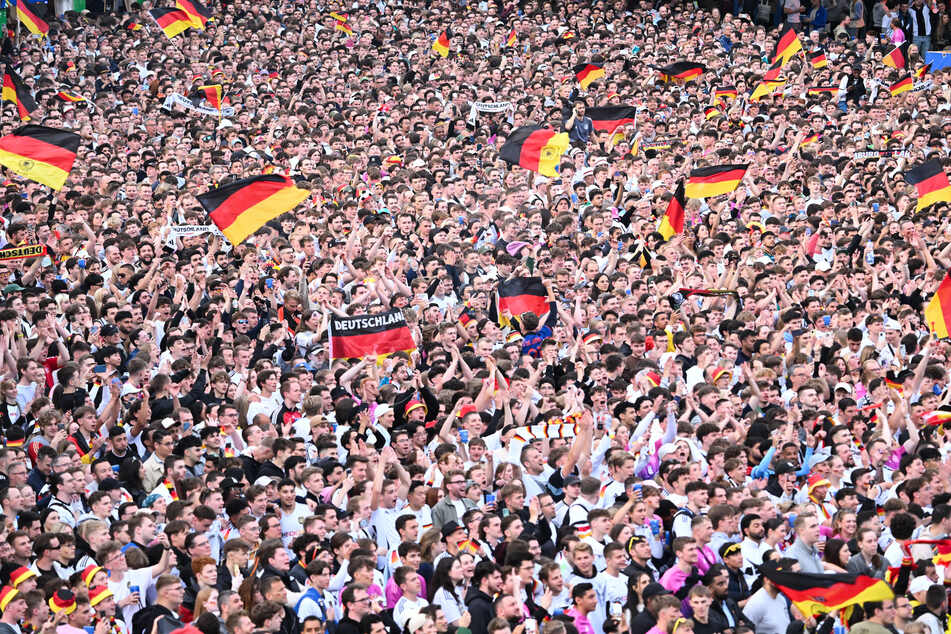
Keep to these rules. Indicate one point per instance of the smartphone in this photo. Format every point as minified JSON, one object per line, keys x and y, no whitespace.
{"x":269,"y":282}
{"x":489,"y":498}
{"x":99,"y":369}
{"x":464,"y":436}
{"x":531,"y":626}
{"x":826,"y":320}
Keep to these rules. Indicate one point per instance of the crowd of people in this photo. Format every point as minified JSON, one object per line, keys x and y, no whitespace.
{"x":683,"y":419}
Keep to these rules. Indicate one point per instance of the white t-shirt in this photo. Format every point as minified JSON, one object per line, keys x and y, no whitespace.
{"x":452,"y":608}
{"x":383,"y":521}
{"x":292,"y":522}
{"x":120,"y":589}
{"x":405,"y":608}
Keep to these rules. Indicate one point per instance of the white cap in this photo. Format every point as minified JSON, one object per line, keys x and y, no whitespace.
{"x":919,"y":584}
{"x":843,"y":386}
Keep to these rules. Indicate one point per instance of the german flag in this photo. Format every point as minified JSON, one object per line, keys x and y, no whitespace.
{"x":521,"y":295}
{"x":818,"y":60}
{"x":682,"y":71}
{"x":931,"y":182}
{"x":41,"y":154}
{"x":65,"y":96}
{"x":28,"y":17}
{"x":198,"y":12}
{"x":587,"y":73}
{"x":938,"y":416}
{"x":922,"y":71}
{"x":816,"y":594}
{"x":535,"y":148}
{"x":134,"y":26}
{"x":442,"y":43}
{"x":358,"y":336}
{"x":342,"y":26}
{"x":897,"y":57}
{"x":728,"y":92}
{"x":672,"y":222}
{"x":809,"y":140}
{"x":938,"y":310}
{"x":339,"y":17}
{"x":819,"y":90}
{"x":610,"y":118}
{"x":16,"y":92}
{"x":766,"y":88}
{"x":787,"y":46}
{"x":242,"y":207}
{"x":892,"y":381}
{"x":173,"y":21}
{"x":512,"y":38}
{"x":212,"y":94}
{"x":708,"y":182}
{"x":711,"y":112}
{"x":903,"y":85}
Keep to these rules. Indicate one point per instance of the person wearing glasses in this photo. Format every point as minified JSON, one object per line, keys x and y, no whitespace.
{"x":356,"y":605}
{"x":454,"y":504}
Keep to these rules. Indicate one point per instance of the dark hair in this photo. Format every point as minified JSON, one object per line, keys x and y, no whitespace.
{"x":579,"y":590}
{"x":440,"y":579}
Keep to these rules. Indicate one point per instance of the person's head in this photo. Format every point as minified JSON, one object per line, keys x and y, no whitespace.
{"x":355,"y":601}
{"x":584,"y":598}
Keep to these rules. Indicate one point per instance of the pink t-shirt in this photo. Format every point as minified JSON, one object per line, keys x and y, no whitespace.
{"x":581,"y":621}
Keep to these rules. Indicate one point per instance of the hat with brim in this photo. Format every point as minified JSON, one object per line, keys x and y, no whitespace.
{"x":816,"y":481}
{"x":20,"y":575}
{"x":7,"y":594}
{"x":89,"y":573}
{"x":99,"y":594}
{"x":415,"y":404}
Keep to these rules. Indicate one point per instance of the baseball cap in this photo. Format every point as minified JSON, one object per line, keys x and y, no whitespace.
{"x":784,"y":466}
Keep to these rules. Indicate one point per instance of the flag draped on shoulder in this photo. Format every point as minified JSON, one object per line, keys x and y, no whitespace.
{"x":707,"y":182}
{"x":610,"y":118}
{"x":586,"y":74}
{"x":930,"y":182}
{"x":535,"y":148}
{"x":199,"y":13}
{"x":41,"y":154}
{"x":442,"y":43}
{"x":938,"y":310}
{"x":242,"y":207}
{"x":28,"y":16}
{"x":521,"y":295}
{"x":897,"y":57}
{"x":173,"y":21}
{"x":787,"y":46}
{"x":17,"y":92}
{"x":359,"y":336}
{"x":672,"y":221}
{"x":816,"y":594}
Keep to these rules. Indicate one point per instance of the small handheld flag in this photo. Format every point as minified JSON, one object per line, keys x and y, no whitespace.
{"x":707,"y":182}
{"x":672,"y":221}
{"x":442,"y":43}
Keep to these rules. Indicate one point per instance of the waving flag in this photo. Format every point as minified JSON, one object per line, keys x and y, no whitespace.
{"x":897,"y":57}
{"x":816,"y":594}
{"x":938,"y":316}
{"x":681,"y":71}
{"x":818,"y":60}
{"x":931,"y":183}
{"x":27,"y":15}
{"x":512,"y":38}
{"x":442,"y":43}
{"x":672,"y":222}
{"x":535,"y":148}
{"x":900,"y":86}
{"x":787,"y":46}
{"x":610,"y":118}
{"x":212,"y":94}
{"x":173,"y":21}
{"x":17,"y":92}
{"x":67,"y":96}
{"x":707,"y":182}
{"x":242,"y":207}
{"x":44,"y":155}
{"x":586,"y":74}
{"x":198,"y":12}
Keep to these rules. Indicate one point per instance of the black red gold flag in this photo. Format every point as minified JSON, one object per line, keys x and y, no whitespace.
{"x":18,"y":93}
{"x":586,"y":74}
{"x":41,"y":154}
{"x":931,"y":182}
{"x":672,"y":222}
{"x":173,"y":21}
{"x":714,"y":181}
{"x":535,"y":148}
{"x":609,"y":118}
{"x":816,"y":594}
{"x":359,"y":336}
{"x":242,"y":207}
{"x":520,"y":295}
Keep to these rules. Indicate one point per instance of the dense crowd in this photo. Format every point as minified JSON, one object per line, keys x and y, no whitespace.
{"x":684,"y":418}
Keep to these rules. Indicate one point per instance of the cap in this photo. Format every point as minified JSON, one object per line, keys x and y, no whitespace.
{"x":108,"y":330}
{"x":719,"y":372}
{"x":784,"y":466}
{"x":843,"y":386}
{"x":414,"y":404}
{"x":63,"y":601}
{"x":572,"y":481}
{"x":449,"y":528}
{"x":263,"y":481}
{"x":919,"y":584}
{"x":20,"y":575}
{"x":7,"y":595}
{"x":817,"y":480}
{"x":89,"y":573}
{"x":109,"y":484}
{"x":99,"y":594}
{"x":653,"y":589}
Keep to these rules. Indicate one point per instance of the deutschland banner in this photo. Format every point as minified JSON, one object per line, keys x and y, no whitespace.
{"x":369,"y":335}
{"x":707,"y":182}
{"x":931,"y":183}
{"x":242,"y":207}
{"x":610,"y":118}
{"x":535,"y":148}
{"x":24,"y":252}
{"x":44,"y":155}
{"x":522,"y":295}
{"x":816,"y":594}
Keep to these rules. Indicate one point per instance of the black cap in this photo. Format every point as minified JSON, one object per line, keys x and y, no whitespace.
{"x":784,"y":466}
{"x":449,"y":528}
{"x":653,"y":590}
{"x":109,"y":330}
{"x":572,"y":480}
{"x":109,"y":484}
